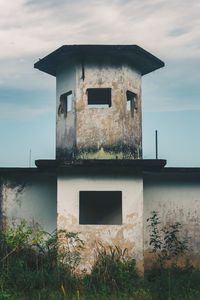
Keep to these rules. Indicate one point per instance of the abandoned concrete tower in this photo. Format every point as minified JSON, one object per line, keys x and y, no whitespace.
{"x":98,"y":100}
{"x":99,"y":185}
{"x":98,"y":137}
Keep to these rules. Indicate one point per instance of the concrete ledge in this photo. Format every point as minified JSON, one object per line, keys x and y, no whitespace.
{"x":97,"y":166}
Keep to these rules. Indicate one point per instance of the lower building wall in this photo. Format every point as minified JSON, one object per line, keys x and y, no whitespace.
{"x":32,"y":195}
{"x":127,"y":235}
{"x":176,"y":198}
{"x":29,"y":195}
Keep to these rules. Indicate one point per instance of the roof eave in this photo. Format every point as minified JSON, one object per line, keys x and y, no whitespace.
{"x":144,"y":61}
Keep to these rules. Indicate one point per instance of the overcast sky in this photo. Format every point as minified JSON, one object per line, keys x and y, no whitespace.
{"x":29,"y":30}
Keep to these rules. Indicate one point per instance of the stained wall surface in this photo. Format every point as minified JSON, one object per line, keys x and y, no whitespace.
{"x":111,"y":132}
{"x":98,"y":132}
{"x":65,"y":123}
{"x":127,"y":235}
{"x":176,"y":197}
{"x":29,"y":196}
{"x":34,"y":196}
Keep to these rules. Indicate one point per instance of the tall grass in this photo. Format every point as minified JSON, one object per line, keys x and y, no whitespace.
{"x":33,"y":265}
{"x":113,"y":272}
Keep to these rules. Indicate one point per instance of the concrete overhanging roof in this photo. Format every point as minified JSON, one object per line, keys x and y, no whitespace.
{"x":102,"y":166}
{"x":147,"y":167}
{"x":142,"y":60}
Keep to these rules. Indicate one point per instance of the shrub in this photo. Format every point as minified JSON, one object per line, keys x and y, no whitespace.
{"x":34,"y":265}
{"x":165,"y":241}
{"x":168,"y":282}
{"x":34,"y":260}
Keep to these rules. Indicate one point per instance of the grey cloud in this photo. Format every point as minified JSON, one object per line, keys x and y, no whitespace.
{"x":168,"y":29}
{"x":178,"y":31}
{"x":45,"y":3}
{"x":19,"y":74}
{"x":44,"y":24}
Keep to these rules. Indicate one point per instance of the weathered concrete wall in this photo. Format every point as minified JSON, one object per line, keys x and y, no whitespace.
{"x":30,"y":196}
{"x":65,"y":123}
{"x":129,"y":234}
{"x":112,"y":132}
{"x":100,"y":133}
{"x":176,"y":197}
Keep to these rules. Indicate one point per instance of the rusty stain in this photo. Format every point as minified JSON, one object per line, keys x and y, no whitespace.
{"x":151,"y":259}
{"x":132,"y":215}
{"x":67,"y":220}
{"x":99,"y":235}
{"x":127,"y":235}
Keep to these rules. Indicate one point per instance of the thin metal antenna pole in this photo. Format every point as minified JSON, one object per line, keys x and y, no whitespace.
{"x":156,"y":136}
{"x":30,"y":158}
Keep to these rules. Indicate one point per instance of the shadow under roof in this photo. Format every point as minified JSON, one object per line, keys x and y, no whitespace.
{"x":134,"y":55}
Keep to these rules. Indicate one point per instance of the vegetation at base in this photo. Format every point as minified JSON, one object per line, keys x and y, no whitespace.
{"x":34,"y":266}
{"x":165,"y":241}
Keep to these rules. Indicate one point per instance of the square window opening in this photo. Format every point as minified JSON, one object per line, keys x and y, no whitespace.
{"x":100,"y":207}
{"x":65,"y":103}
{"x":99,"y":97}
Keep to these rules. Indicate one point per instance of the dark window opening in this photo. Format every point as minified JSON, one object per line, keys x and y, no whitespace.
{"x":99,"y":97}
{"x":100,"y":207}
{"x":132,"y":102}
{"x":65,"y":103}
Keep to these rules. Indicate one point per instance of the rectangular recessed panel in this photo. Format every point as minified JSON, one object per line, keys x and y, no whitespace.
{"x":100,"y":207}
{"x":99,"y":97}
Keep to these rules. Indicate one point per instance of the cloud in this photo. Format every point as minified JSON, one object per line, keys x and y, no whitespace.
{"x":29,"y":27}
{"x":19,"y":73}
{"x":169,"y":29}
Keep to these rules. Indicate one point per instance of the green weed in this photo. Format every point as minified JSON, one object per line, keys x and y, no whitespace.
{"x":165,"y":241}
{"x":34,"y":265}
{"x":113,"y":272}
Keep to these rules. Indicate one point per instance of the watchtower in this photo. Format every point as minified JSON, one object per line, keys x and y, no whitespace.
{"x":99,"y":161}
{"x":98,"y":90}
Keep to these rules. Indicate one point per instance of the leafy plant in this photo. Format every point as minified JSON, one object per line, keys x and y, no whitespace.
{"x":36,"y":265}
{"x":173,"y":246}
{"x":165,"y":241}
{"x":168,"y":282}
{"x":31,"y":259}
{"x":155,"y":236}
{"x":69,"y":250}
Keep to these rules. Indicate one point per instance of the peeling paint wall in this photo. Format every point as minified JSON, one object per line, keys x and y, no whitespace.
{"x":31,"y":197}
{"x":99,"y":133}
{"x":176,"y":196}
{"x":65,"y":123}
{"x":112,"y":132}
{"x":128,"y":235}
